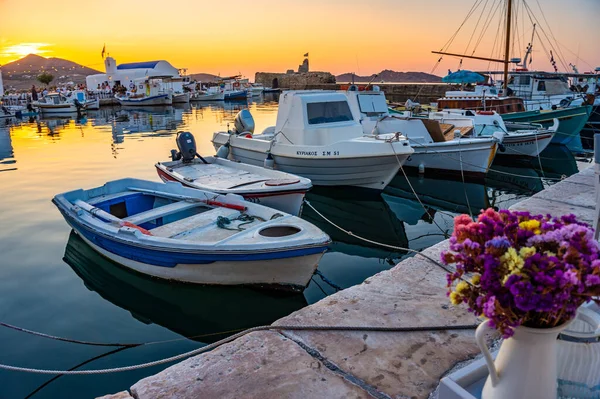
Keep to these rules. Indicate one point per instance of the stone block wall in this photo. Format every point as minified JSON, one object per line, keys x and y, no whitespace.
{"x":294,"y":81}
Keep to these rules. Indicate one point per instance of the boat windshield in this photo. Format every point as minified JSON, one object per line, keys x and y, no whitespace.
{"x":372,"y":104}
{"x":328,"y":112}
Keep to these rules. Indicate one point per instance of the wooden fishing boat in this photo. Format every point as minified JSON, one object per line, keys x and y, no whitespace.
{"x":172,"y":232}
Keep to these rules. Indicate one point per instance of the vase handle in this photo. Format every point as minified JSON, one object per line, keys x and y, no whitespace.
{"x":480,"y":339}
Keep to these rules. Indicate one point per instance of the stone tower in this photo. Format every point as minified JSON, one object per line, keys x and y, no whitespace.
{"x":303,"y":68}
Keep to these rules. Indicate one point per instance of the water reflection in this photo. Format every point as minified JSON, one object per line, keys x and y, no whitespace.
{"x":202,"y":313}
{"x":6,"y":151}
{"x":362,"y":212}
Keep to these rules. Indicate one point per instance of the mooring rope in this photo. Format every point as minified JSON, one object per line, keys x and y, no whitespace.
{"x":236,"y":336}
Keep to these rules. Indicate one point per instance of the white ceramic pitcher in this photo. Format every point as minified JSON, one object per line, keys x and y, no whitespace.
{"x":525,"y":367}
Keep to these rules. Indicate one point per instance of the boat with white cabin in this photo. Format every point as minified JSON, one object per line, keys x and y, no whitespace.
{"x":438,"y":147}
{"x":148,"y":91}
{"x":317,"y":136}
{"x":268,"y":187}
{"x":56,"y":104}
{"x":173,"y":232}
{"x":210,"y":94}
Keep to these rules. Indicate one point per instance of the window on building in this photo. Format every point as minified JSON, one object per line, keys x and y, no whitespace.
{"x":328,"y":112}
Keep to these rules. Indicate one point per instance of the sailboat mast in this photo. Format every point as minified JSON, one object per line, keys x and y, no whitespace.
{"x":507,"y":48}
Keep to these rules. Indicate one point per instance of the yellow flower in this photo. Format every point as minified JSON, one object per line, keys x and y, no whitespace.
{"x":462,"y":287}
{"x":526,"y":252}
{"x":475,"y":279}
{"x":531,"y":225}
{"x":455,"y":298}
{"x":512,"y":260}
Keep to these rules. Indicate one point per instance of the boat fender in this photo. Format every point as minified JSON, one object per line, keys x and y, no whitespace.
{"x":421,"y":169}
{"x":498,"y":136}
{"x":501,"y":147}
{"x":269,"y":161}
{"x":223,"y":151}
{"x":246,"y":135}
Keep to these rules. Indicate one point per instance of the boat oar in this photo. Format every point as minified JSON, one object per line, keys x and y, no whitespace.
{"x":163,"y":194}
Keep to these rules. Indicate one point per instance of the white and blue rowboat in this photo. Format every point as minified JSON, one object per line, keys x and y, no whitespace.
{"x":178,"y":233}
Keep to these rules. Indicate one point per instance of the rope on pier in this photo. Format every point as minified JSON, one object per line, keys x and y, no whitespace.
{"x":238,"y":335}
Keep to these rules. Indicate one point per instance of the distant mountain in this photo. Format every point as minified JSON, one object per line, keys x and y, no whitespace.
{"x":204,"y":77}
{"x":21,"y":74}
{"x":391,"y":76}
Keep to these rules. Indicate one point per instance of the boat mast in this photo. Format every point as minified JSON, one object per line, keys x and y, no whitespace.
{"x":507,"y":48}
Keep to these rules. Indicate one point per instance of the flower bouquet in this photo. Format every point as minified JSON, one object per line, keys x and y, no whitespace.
{"x":517,"y":269}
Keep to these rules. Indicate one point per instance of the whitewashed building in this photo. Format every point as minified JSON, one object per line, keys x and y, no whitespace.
{"x":125,"y":74}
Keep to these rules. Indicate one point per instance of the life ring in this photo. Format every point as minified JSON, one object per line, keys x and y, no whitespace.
{"x":246,"y":135}
{"x":236,"y":84}
{"x":485,"y":112}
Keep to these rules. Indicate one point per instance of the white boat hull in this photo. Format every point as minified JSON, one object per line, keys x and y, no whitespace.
{"x":209,"y":97}
{"x":57,"y":109}
{"x":92,"y":104}
{"x":530,"y":145}
{"x":288,"y":202}
{"x":373,"y":171}
{"x":146,"y":101}
{"x":181,"y":98}
{"x":293,"y":272}
{"x":471,"y":159}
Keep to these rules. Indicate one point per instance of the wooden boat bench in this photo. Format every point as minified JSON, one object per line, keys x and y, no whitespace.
{"x":193,"y":223}
{"x":162,"y":211}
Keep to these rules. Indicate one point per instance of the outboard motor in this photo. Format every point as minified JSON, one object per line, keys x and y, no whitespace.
{"x":243,"y":122}
{"x":187,"y":148}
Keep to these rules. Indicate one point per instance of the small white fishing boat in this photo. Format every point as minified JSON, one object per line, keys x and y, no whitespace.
{"x":520,"y":139}
{"x":181,"y":98}
{"x":318,"y":137}
{"x":272,"y":188}
{"x":255,"y":89}
{"x":178,"y":233}
{"x":438,"y":147}
{"x":82,"y":97}
{"x":211,"y":94}
{"x":56,"y":103}
{"x":148,"y":91}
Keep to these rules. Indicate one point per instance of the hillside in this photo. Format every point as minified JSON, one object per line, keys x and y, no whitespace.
{"x":392,"y":76}
{"x":204,"y":77}
{"x":21,"y":74}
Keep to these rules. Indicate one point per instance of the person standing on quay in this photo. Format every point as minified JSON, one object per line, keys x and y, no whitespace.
{"x":34,"y":95}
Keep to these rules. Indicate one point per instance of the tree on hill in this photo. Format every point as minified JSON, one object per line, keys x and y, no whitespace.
{"x":45,"y":78}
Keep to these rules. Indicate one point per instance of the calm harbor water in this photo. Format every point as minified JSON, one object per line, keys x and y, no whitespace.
{"x":50,"y":281}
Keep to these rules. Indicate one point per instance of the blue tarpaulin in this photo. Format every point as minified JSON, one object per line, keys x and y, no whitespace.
{"x":463,"y":76}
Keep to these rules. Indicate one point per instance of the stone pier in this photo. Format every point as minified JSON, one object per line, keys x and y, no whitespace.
{"x":335,"y":364}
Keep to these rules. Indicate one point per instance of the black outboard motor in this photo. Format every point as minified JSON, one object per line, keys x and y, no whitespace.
{"x":187,"y":148}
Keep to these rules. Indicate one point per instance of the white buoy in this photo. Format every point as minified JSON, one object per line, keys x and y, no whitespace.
{"x":269,"y":161}
{"x":223,"y":151}
{"x":457,"y":134}
{"x":421,"y":169}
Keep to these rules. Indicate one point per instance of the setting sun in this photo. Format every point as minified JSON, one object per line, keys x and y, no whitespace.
{"x":16,"y":51}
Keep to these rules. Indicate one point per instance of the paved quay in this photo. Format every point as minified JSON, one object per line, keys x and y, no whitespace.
{"x":350,"y":364}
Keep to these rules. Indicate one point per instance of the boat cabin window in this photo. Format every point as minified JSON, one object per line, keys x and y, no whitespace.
{"x":328,"y":112}
{"x":372,"y":104}
{"x":541,"y":86}
{"x":524,"y":80}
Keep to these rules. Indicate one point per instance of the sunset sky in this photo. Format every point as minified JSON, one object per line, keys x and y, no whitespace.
{"x":229,"y":37}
